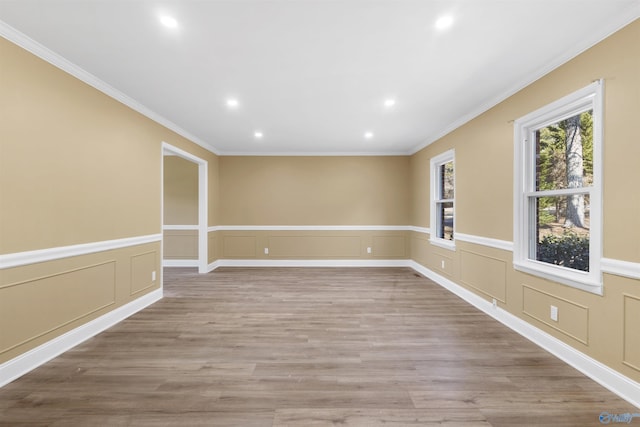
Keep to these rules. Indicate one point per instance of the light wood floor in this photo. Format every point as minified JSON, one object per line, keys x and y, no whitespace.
{"x":306,"y":347}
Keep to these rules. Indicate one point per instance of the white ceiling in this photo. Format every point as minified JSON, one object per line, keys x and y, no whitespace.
{"x":313,"y":75}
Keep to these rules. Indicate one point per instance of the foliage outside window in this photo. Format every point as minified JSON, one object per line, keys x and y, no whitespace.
{"x":558,"y":190}
{"x":443,"y":199}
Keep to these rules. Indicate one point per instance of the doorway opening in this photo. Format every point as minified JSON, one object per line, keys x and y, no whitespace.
{"x":202,"y":204}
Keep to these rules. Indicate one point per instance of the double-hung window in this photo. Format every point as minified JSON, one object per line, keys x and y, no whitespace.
{"x":558,"y":190}
{"x":443,"y":199}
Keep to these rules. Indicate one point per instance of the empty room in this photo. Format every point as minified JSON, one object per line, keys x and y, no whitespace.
{"x":319,"y":213}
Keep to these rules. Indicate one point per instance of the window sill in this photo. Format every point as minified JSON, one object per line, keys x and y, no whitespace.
{"x":577,"y":279}
{"x":446,"y":244}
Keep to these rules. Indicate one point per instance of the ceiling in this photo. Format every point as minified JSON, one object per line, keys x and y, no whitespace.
{"x":312,"y":75}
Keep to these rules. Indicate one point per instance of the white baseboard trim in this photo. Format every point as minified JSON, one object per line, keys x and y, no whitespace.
{"x":180,"y":263}
{"x":309,"y":228}
{"x":212,"y":266}
{"x":308,"y":263}
{"x":624,"y":387}
{"x":17,"y":367}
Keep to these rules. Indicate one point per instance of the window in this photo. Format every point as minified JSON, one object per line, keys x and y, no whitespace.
{"x":557,"y":190}
{"x":443,"y":199}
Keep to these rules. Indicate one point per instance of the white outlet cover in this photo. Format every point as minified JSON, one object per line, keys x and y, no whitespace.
{"x":554,"y":313}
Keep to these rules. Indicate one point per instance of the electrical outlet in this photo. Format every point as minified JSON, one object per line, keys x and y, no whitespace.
{"x":553,"y":313}
{"x":266,"y":251}
{"x":153,"y":276}
{"x":369,"y":249}
{"x":442,"y":264}
{"x":495,"y":303}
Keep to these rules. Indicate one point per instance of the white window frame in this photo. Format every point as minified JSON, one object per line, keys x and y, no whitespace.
{"x":588,"y":98}
{"x":436,"y":162}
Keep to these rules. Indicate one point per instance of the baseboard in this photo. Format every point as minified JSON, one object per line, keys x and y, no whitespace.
{"x":308,"y":263}
{"x":15,"y":368}
{"x":213,"y":265}
{"x":624,"y":387}
{"x":180,"y":263}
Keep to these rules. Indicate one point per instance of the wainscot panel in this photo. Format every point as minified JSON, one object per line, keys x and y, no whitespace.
{"x":420,"y":248}
{"x":234,"y":246}
{"x":41,"y":301}
{"x":180,"y":244}
{"x":573,"y":319}
{"x":212,"y":248}
{"x":393,"y":246}
{"x":33,"y":308}
{"x":632,"y":331}
{"x":486,"y":274}
{"x":441,"y":261}
{"x":143,"y":271}
{"x":331,"y":246}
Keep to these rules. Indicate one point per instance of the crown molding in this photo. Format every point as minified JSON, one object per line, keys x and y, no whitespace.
{"x":67,"y":66}
{"x":598,"y":35}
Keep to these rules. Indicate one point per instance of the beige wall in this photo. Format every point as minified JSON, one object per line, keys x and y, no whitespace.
{"x":604,"y":327}
{"x":314,"y":190}
{"x":180,"y":191}
{"x":76,"y":167}
{"x":180,"y":203}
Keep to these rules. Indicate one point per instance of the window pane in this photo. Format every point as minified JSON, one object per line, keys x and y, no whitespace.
{"x":564,"y":153}
{"x":446,"y":181}
{"x":562,"y":230}
{"x":445,"y":220}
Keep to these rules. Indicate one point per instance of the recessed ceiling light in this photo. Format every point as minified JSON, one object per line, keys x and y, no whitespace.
{"x":368,"y":135}
{"x":232,"y":103}
{"x":444,"y":22}
{"x":258,"y":134}
{"x":168,"y":21}
{"x":390,"y":102}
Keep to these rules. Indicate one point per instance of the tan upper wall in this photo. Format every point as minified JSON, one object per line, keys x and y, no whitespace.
{"x":76,"y":166}
{"x":180,"y":191}
{"x":484,"y":149}
{"x":314,"y":190}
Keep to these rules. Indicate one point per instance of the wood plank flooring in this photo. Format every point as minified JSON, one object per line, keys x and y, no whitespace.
{"x":275,"y":347}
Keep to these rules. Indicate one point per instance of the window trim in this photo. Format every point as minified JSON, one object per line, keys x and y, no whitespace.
{"x":589,"y":97}
{"x":436,"y":162}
